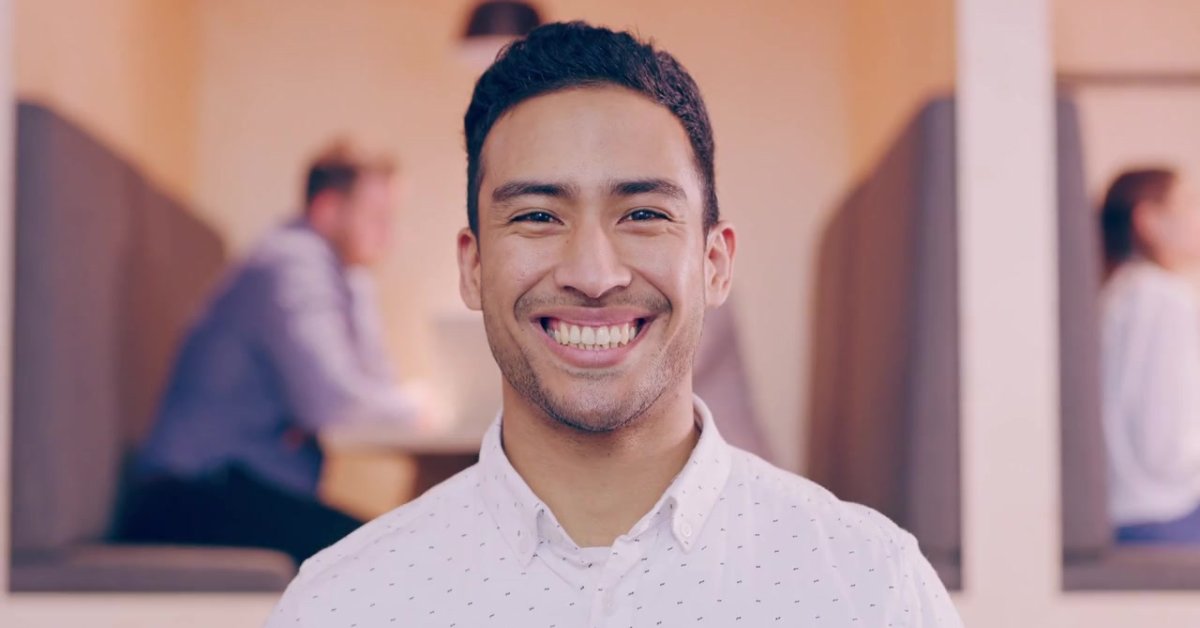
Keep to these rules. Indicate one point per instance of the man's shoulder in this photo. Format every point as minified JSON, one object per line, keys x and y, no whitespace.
{"x":396,"y":532}
{"x":805,"y":505}
{"x":832,"y":540}
{"x":288,"y":247}
{"x":291,"y":267}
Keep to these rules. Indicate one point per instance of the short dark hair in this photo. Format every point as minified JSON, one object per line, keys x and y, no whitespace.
{"x":1130,"y":189}
{"x":575,"y":54}
{"x":339,"y":166}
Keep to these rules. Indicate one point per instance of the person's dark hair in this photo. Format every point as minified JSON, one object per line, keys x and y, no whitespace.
{"x":561,"y":56}
{"x":1130,"y":189}
{"x":339,"y":167}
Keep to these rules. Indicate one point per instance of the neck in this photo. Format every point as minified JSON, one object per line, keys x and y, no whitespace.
{"x":598,"y":485}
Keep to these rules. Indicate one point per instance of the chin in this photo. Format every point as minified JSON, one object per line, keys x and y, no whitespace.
{"x":590,"y":420}
{"x":596,"y":409}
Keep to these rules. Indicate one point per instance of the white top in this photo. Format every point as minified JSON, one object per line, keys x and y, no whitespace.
{"x":1151,"y":377}
{"x":732,"y":542}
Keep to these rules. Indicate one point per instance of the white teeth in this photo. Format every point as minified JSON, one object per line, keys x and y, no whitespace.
{"x":607,"y":337}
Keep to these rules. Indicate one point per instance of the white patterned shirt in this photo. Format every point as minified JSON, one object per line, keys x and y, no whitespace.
{"x":732,"y":542}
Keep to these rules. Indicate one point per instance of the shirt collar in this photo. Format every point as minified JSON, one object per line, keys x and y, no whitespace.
{"x":695,"y":491}
{"x":525,"y":521}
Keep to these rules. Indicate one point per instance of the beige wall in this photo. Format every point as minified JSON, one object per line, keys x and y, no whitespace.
{"x":900,"y":55}
{"x":124,"y":69}
{"x":1141,"y":124}
{"x":1122,"y":35}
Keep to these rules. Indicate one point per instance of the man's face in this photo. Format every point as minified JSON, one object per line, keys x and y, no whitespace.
{"x":592,"y":265}
{"x":366,"y":220}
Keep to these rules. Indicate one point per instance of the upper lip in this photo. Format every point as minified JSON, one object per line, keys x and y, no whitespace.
{"x":593,"y":316}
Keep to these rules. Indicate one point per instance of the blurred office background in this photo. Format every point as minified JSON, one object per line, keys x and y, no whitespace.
{"x":218,"y":105}
{"x":155,"y":140}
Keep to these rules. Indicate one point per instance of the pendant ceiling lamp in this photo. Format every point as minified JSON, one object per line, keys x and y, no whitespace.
{"x":492,"y":25}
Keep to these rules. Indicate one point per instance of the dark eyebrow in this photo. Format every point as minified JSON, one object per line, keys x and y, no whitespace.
{"x":648,"y":186}
{"x":514,"y":189}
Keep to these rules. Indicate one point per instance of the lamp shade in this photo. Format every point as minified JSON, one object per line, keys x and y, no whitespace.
{"x":493,"y":25}
{"x":502,"y":18}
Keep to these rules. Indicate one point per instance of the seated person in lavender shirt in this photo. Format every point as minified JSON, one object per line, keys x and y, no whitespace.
{"x":289,"y":344}
{"x":1150,"y":329}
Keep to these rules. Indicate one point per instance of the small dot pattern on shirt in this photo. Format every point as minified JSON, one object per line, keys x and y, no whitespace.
{"x":732,"y":542}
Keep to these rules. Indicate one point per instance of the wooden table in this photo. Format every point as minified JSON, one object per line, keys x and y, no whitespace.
{"x":438,"y":454}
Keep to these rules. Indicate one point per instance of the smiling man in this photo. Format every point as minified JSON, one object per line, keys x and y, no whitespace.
{"x":604,"y":495}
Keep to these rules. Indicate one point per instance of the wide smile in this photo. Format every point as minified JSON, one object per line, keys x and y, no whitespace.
{"x":593,"y":343}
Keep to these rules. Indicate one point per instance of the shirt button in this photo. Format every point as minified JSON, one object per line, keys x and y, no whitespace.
{"x":685,"y":529}
{"x":525,"y":546}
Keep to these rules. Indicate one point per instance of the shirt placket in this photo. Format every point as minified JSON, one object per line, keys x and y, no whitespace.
{"x":609,"y":604}
{"x":615,"y":602}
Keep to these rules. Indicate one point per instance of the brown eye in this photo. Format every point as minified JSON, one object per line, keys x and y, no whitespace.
{"x":642,"y":215}
{"x":545,"y":217}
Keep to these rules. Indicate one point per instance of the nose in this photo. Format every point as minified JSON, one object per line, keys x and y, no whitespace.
{"x":591,"y":263}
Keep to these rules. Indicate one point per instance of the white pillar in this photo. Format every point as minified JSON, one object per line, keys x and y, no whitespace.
{"x":1008,"y":284}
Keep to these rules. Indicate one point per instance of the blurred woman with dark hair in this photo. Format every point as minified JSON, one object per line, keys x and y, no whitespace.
{"x":1150,"y":328}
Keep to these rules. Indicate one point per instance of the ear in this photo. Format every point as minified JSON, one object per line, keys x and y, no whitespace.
{"x":468,"y":269}
{"x":719,"y":248}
